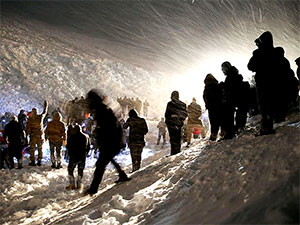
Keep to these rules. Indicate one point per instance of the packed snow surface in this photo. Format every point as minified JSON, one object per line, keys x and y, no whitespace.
{"x":248,"y":179}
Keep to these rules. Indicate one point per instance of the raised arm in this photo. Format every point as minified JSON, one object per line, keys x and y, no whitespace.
{"x":45,"y":110}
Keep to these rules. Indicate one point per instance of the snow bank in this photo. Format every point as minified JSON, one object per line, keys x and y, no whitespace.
{"x":245,"y":180}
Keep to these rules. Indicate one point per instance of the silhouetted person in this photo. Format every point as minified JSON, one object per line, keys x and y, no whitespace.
{"x":78,"y":146}
{"x":137,"y":130}
{"x":3,"y":150}
{"x":14,"y":136}
{"x":298,"y":68}
{"x":236,"y":100}
{"x":212,"y":96}
{"x":270,"y":67}
{"x":109,"y":139}
{"x":22,"y":118}
{"x":161,"y":131}
{"x":175,"y":114}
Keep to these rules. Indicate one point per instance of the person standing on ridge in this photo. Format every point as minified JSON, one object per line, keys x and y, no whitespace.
{"x":271,"y":69}
{"x":212,"y":97}
{"x":194,"y":113}
{"x":174,"y":116}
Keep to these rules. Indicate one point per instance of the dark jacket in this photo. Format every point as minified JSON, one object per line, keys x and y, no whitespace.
{"x":137,"y":128}
{"x":13,"y":132}
{"x":212,"y":94}
{"x":175,"y":114}
{"x":108,"y":131}
{"x":233,"y":86}
{"x":78,"y":145}
{"x":268,"y":63}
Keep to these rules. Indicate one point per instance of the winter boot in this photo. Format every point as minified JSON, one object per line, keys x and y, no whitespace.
{"x":122,"y":178}
{"x":32,"y":163}
{"x":20,"y":164}
{"x":72,"y":183}
{"x":58,"y":166}
{"x":79,"y":183}
{"x":53,"y":165}
{"x":39,"y":163}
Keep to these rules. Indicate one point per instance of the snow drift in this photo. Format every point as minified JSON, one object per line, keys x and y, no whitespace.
{"x":248,"y":180}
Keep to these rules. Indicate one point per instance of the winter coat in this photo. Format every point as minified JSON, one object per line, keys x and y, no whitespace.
{"x":22,"y":118}
{"x":268,"y":63}
{"x":194,"y":113}
{"x":78,"y":146}
{"x":273,"y":76}
{"x":108,"y":131}
{"x":162,"y":127}
{"x":175,"y":114}
{"x":34,"y":125}
{"x":233,"y":86}
{"x":137,"y":129}
{"x":56,"y":131}
{"x":13,"y":132}
{"x":212,"y":94}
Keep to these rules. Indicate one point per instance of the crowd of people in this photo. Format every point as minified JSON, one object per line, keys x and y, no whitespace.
{"x":137,"y":104}
{"x":90,"y":122}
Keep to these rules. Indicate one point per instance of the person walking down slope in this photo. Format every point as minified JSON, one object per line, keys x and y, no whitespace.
{"x":34,"y":129}
{"x":109,"y":139}
{"x":194,"y":113}
{"x":161,"y":131}
{"x":137,"y":130}
{"x":14,"y":136}
{"x":56,"y":134}
{"x":78,"y":147}
{"x":175,"y":114}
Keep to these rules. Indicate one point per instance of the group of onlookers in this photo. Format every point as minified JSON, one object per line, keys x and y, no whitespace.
{"x":137,"y":104}
{"x":228,"y":104}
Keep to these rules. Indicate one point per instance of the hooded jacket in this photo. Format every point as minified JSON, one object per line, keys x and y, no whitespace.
{"x":212,"y":94}
{"x":56,"y":131}
{"x":268,"y":62}
{"x":78,"y":144}
{"x":176,"y":112}
{"x":137,"y":128}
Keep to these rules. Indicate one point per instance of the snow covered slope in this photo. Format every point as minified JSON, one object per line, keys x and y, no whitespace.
{"x":35,"y":67}
{"x":59,"y":50}
{"x":248,"y":180}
